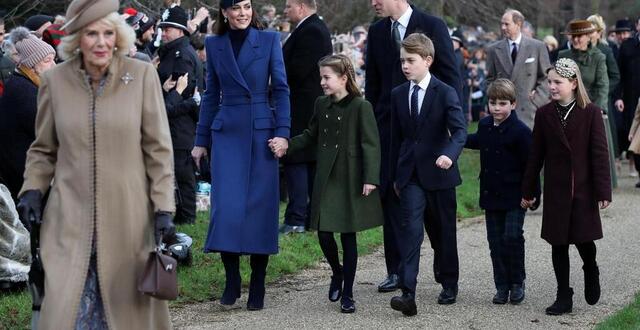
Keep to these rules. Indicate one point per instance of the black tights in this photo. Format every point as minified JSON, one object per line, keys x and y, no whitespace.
{"x":349,"y":257}
{"x":233,"y":283}
{"x":560,"y":257}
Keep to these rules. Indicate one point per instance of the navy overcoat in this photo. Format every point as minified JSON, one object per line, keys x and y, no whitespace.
{"x":246,"y":104}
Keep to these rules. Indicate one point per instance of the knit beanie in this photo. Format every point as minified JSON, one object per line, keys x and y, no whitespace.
{"x":31,"y":50}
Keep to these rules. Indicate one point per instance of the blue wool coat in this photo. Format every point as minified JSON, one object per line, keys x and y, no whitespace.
{"x":236,"y":121}
{"x":504,"y":151}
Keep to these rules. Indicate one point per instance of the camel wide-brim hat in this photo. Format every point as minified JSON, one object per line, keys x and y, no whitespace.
{"x":578,"y":27}
{"x":81,"y":13}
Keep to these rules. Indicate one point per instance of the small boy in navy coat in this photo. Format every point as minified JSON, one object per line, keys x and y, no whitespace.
{"x":428,"y":134}
{"x":504,"y":142}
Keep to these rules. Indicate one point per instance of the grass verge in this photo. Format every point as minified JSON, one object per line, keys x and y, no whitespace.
{"x":626,"y":318}
{"x":204,"y":280}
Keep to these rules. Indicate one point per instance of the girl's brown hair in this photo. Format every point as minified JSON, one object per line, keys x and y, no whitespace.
{"x":342,"y":65}
{"x":568,"y":69}
{"x":221,"y":26}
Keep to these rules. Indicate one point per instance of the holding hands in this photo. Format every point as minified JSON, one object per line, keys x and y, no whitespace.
{"x":279,"y":146}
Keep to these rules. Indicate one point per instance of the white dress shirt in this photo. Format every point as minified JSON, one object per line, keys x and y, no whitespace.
{"x":403,"y":22}
{"x":423,"y":89}
{"x":517,"y":41}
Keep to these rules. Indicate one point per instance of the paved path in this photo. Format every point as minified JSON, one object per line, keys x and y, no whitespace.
{"x":300,"y":301}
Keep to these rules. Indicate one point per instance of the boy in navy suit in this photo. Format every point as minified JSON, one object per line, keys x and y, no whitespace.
{"x":428,"y":135}
{"x":504,"y":142}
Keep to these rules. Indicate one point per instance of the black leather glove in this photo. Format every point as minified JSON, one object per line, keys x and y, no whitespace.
{"x":164,"y":227}
{"x":30,"y":208}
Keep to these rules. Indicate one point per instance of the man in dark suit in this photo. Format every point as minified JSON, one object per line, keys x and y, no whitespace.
{"x":308,"y":43}
{"x":429,"y":132}
{"x":383,"y":73}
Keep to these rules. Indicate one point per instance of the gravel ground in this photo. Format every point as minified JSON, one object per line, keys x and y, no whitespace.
{"x":300,"y":301}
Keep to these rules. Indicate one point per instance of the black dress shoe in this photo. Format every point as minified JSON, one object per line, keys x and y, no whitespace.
{"x":335,"y":288}
{"x":517,"y":294}
{"x":286,"y":229}
{"x":448,"y":295}
{"x":563,"y":303}
{"x":347,"y":305}
{"x":501,"y":297}
{"x":591,"y":284}
{"x":405,"y":304}
{"x":390,"y":284}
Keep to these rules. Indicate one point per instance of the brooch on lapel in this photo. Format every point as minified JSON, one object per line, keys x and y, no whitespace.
{"x":177,"y":53}
{"x":126,"y":78}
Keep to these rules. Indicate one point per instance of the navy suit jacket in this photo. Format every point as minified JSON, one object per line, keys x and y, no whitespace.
{"x":441,"y":130}
{"x":504,"y":151}
{"x":384,"y":72}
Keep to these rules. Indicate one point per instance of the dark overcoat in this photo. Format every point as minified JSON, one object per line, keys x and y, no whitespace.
{"x":504,"y":150}
{"x":441,"y":130}
{"x":345,"y":136}
{"x":576,"y":173}
{"x":236,"y":121}
{"x":384,"y":73}
{"x":308,"y":43}
{"x":18,"y":108}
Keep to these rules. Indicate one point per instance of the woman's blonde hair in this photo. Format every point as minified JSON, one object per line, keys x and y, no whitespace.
{"x":341,"y":64}
{"x":125,"y":38}
{"x":598,"y":22}
{"x":567,"y":68}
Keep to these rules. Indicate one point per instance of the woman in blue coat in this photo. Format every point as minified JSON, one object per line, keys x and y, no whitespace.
{"x":246,"y":104}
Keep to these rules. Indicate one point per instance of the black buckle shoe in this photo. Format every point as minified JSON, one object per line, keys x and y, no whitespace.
{"x":390,"y":284}
{"x":335,"y":288}
{"x":501,"y":297}
{"x":405,"y":304}
{"x":448,"y":295}
{"x":563,"y":303}
{"x":347,"y":305}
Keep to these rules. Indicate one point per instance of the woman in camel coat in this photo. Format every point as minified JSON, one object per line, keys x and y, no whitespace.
{"x":103,"y":150}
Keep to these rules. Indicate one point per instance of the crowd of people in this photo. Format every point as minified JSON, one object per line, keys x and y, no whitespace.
{"x":109,"y":115}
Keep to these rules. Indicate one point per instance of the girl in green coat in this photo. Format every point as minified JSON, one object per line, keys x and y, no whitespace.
{"x":345,"y":200}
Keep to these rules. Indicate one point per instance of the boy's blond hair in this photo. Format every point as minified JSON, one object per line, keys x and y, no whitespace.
{"x":502,"y":89}
{"x":419,"y":43}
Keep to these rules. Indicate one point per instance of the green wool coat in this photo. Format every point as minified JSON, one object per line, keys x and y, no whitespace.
{"x":593,"y":67}
{"x":345,"y":134}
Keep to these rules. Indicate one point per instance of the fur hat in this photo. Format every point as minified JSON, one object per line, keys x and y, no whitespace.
{"x":81,"y":13}
{"x":30,"y":49}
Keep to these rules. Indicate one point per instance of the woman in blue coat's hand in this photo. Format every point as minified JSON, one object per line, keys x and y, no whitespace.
{"x":245,"y":105}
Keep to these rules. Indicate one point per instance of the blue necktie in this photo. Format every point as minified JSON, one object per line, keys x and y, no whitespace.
{"x":414,"y":104}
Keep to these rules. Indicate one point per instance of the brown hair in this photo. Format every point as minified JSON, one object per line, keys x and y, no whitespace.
{"x":419,"y":43}
{"x":502,"y":89}
{"x":342,"y":65}
{"x":582,"y":97}
{"x":221,"y":27}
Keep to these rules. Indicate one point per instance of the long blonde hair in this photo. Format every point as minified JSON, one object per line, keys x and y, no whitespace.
{"x":342,"y":65}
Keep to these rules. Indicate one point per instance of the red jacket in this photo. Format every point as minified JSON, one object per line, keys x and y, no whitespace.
{"x":576,"y":173}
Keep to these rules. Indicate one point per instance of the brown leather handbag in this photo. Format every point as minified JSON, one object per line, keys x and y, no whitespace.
{"x":160,"y":276}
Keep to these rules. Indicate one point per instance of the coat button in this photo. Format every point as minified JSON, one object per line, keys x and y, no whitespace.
{"x":338,"y":132}
{"x":338,"y":117}
{"x":326,"y":116}
{"x":336,"y":146}
{"x":325,"y":130}
{"x":324,"y":144}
